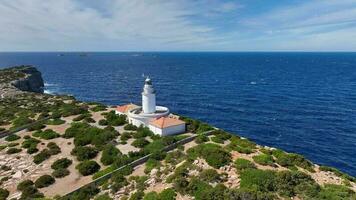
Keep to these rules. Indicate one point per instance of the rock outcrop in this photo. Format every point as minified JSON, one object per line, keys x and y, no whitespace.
{"x":32,"y":82}
{"x":20,"y":79}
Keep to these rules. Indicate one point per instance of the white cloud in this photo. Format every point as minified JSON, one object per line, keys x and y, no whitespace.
{"x":65,"y":25}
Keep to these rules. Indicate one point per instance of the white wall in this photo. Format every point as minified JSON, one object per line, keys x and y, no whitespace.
{"x":172,"y":130}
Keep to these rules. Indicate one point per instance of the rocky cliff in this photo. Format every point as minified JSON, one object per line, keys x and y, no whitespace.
{"x":20,"y":79}
{"x":32,"y":82}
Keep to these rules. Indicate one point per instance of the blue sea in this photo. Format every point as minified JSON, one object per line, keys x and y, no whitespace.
{"x":300,"y":102}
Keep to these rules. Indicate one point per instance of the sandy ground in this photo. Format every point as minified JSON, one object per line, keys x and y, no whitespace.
{"x":126,"y":148}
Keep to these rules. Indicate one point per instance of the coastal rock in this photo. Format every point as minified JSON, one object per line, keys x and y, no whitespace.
{"x":32,"y":82}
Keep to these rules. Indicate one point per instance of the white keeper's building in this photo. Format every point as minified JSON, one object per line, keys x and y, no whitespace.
{"x":156,"y":118}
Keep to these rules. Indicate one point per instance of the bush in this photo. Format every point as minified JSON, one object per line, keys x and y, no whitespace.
{"x":210,"y":175}
{"x":241,"y":145}
{"x":62,"y":163}
{"x":84,"y":153}
{"x":114,"y":119}
{"x":4,"y":193}
{"x":242,"y":164}
{"x":167,"y":194}
{"x":56,"y":121}
{"x":130,"y":127}
{"x":86,"y":193}
{"x":46,"y":134}
{"x":103,"y":122}
{"x":201,"y":139}
{"x":137,"y":195}
{"x":140,"y":143}
{"x":103,"y":197}
{"x":258,"y":179}
{"x":88,"y":167}
{"x":61,"y":172}
{"x":331,"y":191}
{"x":37,"y":126}
{"x":214,"y":155}
{"x":264,"y":159}
{"x":151,"y":164}
{"x":44,"y":181}
{"x":53,"y":148}
{"x":290,"y":159}
{"x":13,"y":150}
{"x":24,"y":184}
{"x":12,"y":137}
{"x":109,"y":154}
{"x":125,"y":136}
{"x":42,"y":156}
{"x":175,"y":157}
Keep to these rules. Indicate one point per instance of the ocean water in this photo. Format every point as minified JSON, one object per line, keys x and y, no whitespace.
{"x":300,"y":102}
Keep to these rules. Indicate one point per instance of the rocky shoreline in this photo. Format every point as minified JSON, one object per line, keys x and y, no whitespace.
{"x":26,"y":79}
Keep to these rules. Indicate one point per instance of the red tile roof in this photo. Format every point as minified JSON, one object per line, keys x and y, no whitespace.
{"x":164,"y":122}
{"x":125,"y":108}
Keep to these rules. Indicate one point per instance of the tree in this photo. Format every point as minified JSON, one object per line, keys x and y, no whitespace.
{"x":88,"y":167}
{"x":44,"y":181}
{"x":62,"y":163}
{"x":84,"y":152}
{"x":4,"y":193}
{"x":109,"y":154}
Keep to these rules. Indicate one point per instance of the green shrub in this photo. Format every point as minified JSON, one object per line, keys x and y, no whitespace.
{"x":84,"y":153}
{"x":61,"y":172}
{"x":290,"y":159}
{"x":241,"y":145}
{"x":216,"y":139}
{"x":242,"y":164}
{"x":12,"y":144}
{"x":258,"y":179}
{"x":53,"y":148}
{"x":104,"y":172}
{"x":330,"y":191}
{"x":4,"y":193}
{"x":151,"y":196}
{"x":130,"y":127}
{"x":103,"y":122}
{"x":203,"y":127}
{"x":125,"y":136}
{"x":210,"y":175}
{"x":44,"y":181}
{"x":151,"y":164}
{"x":88,"y":167}
{"x":103,"y":197}
{"x":12,"y":137}
{"x":21,"y":121}
{"x":264,"y":159}
{"x":56,"y":121}
{"x":42,"y":156}
{"x":137,"y":195}
{"x":201,"y":139}
{"x":109,"y":154}
{"x":13,"y":150}
{"x":24,"y":184}
{"x":175,"y":157}
{"x":167,"y":194}
{"x":46,"y":134}
{"x":62,"y":163}
{"x":214,"y":155}
{"x":140,"y":143}
{"x":36,"y":126}
{"x":86,"y":193}
{"x":286,"y":182}
{"x":114,"y":119}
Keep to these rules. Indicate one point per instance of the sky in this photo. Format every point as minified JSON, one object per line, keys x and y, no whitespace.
{"x":178,"y":25}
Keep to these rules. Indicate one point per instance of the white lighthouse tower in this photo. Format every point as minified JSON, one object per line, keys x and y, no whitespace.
{"x":148,"y":97}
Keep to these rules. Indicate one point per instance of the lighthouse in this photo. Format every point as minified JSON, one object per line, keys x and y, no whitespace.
{"x":148,"y":97}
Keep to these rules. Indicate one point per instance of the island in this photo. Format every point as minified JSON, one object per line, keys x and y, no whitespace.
{"x":57,"y":147}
